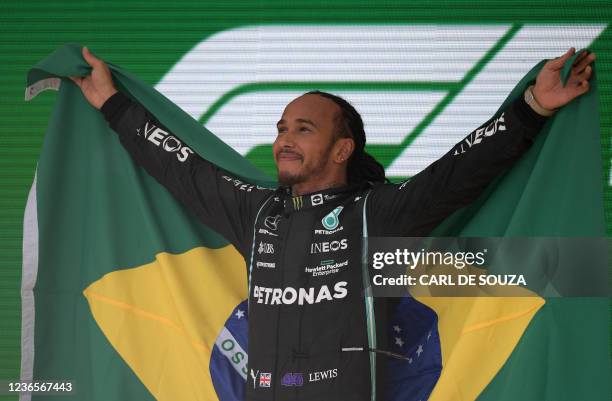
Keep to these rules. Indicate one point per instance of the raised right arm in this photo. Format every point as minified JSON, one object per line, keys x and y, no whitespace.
{"x":218,"y":199}
{"x":222,"y":202}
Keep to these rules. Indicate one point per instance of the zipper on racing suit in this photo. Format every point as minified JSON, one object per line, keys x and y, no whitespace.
{"x":282,"y":264}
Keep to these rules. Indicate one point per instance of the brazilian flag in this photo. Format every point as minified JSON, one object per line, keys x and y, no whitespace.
{"x":126,"y":294}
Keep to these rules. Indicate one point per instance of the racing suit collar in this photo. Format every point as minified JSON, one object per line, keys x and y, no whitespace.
{"x":315,"y":199}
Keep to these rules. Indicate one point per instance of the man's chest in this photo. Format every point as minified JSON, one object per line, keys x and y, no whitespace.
{"x":313,"y":253}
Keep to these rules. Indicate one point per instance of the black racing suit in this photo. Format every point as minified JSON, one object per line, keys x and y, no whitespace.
{"x":308,"y":317}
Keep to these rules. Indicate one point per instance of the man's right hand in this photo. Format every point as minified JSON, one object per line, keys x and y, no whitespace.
{"x":98,"y":86}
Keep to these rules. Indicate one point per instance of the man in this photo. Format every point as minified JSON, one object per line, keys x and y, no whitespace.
{"x":312,"y":334}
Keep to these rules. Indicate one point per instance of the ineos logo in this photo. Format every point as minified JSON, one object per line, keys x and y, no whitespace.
{"x":169,"y":143}
{"x":478,"y":135}
{"x":169,"y":146}
{"x":327,"y":246}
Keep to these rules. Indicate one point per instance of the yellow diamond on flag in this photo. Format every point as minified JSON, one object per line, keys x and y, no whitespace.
{"x":163,"y":317}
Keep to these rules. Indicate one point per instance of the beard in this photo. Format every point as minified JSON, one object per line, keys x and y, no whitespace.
{"x":288,"y":179}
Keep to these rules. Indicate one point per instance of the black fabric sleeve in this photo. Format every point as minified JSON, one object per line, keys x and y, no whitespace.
{"x":219,"y":200}
{"x":114,"y":105}
{"x":416,"y":206}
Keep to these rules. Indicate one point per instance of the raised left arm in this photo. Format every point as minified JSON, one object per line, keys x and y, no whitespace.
{"x":417,"y":206}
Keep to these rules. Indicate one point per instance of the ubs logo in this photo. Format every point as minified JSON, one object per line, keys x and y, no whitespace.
{"x":265,"y":247}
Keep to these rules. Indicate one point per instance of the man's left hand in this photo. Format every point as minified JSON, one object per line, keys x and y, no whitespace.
{"x":549,"y":91}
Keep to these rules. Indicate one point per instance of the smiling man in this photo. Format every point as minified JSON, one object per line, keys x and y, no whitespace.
{"x":313,"y":336}
{"x":302,"y":158}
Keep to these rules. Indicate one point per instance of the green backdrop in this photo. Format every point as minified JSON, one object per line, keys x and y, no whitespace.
{"x":149,"y":38}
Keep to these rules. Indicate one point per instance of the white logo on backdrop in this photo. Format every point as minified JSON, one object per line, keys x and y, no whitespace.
{"x":229,"y":60}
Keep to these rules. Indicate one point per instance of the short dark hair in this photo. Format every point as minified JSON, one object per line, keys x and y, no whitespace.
{"x":361,"y":165}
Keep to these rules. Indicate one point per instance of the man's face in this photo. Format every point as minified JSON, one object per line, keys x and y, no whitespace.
{"x":303,"y":146}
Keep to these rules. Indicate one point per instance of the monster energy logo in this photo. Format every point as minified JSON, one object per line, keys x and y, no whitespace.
{"x":298,"y":202}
